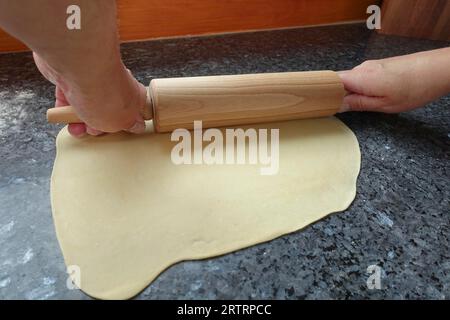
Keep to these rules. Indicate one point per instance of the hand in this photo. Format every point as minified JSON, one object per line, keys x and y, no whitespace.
{"x":397,"y":84}
{"x":113,"y":103}
{"x":85,"y":65}
{"x":378,"y":85}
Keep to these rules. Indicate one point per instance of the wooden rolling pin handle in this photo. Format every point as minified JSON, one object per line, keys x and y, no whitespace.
{"x":68,"y":114}
{"x":65,"y":115}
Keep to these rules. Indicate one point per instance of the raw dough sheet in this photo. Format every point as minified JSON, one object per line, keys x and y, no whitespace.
{"x":124,"y":212}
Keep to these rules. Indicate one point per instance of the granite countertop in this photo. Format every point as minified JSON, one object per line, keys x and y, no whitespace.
{"x":399,"y":221}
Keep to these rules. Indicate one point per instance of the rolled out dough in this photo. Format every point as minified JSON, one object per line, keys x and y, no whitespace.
{"x":124,"y":212}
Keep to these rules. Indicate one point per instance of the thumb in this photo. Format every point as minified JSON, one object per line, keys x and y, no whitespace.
{"x":352,"y":80}
{"x":138,"y":126}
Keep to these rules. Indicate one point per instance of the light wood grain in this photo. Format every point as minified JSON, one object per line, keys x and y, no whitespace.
{"x":67,"y":114}
{"x":244,"y":99}
{"x":148,"y":19}
{"x":64,"y":115}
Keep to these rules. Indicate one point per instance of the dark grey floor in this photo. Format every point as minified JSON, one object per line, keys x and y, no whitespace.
{"x":400,"y":219}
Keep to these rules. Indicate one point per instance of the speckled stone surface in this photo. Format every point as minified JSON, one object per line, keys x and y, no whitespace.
{"x":400,"y":219}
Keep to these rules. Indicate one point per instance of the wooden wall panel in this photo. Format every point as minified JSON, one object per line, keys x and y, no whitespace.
{"x":146,"y":19}
{"x":416,"y":18}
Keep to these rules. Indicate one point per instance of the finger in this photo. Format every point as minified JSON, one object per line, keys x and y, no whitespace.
{"x":352,"y":80}
{"x":358,"y":102}
{"x":60,"y":98}
{"x":342,"y":75}
{"x":77,"y":129}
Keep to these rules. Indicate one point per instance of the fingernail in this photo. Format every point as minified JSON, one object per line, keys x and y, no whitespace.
{"x":93,"y":132}
{"x":138,"y":127}
{"x":344,"y":107}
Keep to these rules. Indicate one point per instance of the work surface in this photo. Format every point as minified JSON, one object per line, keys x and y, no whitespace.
{"x":399,"y":221}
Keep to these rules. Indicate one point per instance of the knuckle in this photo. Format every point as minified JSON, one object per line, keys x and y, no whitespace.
{"x":359,"y":104}
{"x":371,"y":67}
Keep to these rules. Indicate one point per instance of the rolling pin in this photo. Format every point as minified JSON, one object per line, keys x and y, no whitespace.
{"x":234,"y":99}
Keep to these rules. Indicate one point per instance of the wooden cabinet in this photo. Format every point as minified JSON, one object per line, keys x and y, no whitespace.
{"x":428,"y":19}
{"x":146,"y":19}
